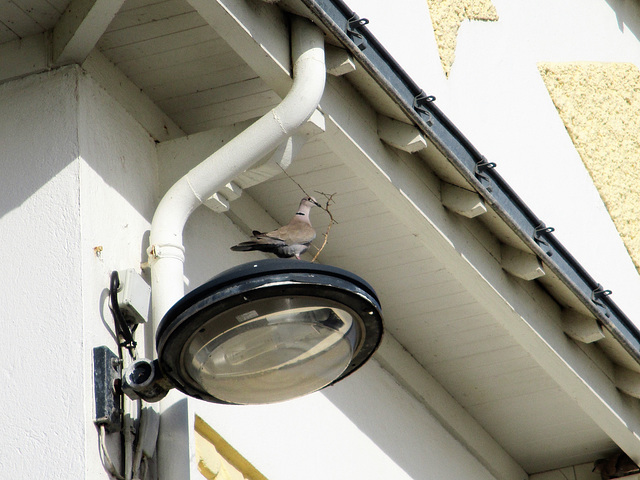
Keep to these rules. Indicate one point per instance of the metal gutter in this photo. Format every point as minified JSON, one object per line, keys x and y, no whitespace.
{"x":352,"y":32}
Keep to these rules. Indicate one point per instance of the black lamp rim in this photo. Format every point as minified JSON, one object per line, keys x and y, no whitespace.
{"x":217,"y":295}
{"x":267,"y":268}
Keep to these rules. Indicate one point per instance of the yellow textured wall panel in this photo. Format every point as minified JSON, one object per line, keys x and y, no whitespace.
{"x":599,"y":104}
{"x":448,"y":15}
{"x":217,"y":460}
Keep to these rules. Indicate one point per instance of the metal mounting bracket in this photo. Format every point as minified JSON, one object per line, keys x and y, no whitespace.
{"x":352,"y":30}
{"x":597,"y":295}
{"x":420,"y":102}
{"x":107,"y":378}
{"x":539,"y":231}
{"x":480,"y":174}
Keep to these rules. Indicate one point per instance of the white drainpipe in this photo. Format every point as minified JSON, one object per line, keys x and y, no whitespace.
{"x":166,"y":251}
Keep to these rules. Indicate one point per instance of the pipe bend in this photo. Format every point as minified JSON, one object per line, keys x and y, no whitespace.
{"x":238,"y":155}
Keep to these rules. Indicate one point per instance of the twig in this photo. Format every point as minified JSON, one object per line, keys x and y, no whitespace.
{"x":329,"y":198}
{"x":291,"y":178}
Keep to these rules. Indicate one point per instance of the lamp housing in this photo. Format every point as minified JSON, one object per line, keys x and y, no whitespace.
{"x":268,"y":331}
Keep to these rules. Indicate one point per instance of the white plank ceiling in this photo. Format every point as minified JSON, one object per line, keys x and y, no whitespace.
{"x":22,"y":18}
{"x":169,"y":51}
{"x":195,"y":77}
{"x":436,"y":320}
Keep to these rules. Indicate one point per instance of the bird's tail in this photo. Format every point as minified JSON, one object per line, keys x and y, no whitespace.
{"x":244,"y":247}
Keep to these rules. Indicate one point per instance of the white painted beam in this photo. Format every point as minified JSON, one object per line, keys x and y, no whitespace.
{"x":461,"y":201}
{"x":580,"y":327}
{"x":139,"y":106}
{"x":192,"y":149}
{"x":521,"y":264}
{"x":627,"y":381}
{"x":400,"y":135}
{"x":231,"y":191}
{"x":276,"y":163}
{"x":584,"y":471}
{"x":257,"y":31}
{"x":178,"y":155}
{"x":80,"y":27}
{"x":283,"y":156}
{"x":249,"y":215}
{"x":455,"y":419}
{"x":314,"y":126}
{"x":339,"y":62}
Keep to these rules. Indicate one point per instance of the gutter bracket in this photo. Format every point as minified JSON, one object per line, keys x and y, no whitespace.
{"x":480,"y":174}
{"x":537,"y":237}
{"x":597,"y":294}
{"x":354,"y":23}
{"x":420,"y":102}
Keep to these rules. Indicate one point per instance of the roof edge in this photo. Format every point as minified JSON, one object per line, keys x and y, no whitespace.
{"x":353,"y":34}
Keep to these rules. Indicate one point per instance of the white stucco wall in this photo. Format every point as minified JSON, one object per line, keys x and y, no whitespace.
{"x":77,"y":173}
{"x":496,"y":96}
{"x":118,"y":194}
{"x":42,"y":414}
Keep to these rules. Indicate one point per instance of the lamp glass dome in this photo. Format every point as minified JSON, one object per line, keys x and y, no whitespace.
{"x":268,"y":357}
{"x":269,"y":331}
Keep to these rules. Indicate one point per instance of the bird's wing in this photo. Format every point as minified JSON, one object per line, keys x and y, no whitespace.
{"x":266,"y":239}
{"x":293,"y":233}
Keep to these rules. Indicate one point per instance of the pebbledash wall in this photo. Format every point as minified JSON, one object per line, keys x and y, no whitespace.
{"x":550,"y":92}
{"x":79,"y":186}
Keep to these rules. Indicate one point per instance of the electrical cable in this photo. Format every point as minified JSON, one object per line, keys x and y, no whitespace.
{"x":122,"y":328}
{"x":137,"y":456}
{"x":144,"y":468}
{"x":129,"y":434}
{"x":105,"y":458}
{"x":126,"y":340}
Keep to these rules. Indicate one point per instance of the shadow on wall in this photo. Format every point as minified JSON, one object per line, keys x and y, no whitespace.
{"x":628,"y":15}
{"x":49,"y":121}
{"x":174,"y":431}
{"x":402,"y":427}
{"x":38,"y":128}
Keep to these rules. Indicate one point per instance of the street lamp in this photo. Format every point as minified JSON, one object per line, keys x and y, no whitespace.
{"x":262,"y":332}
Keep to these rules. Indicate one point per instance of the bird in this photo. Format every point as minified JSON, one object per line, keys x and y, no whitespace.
{"x":288,"y":241}
{"x":615,"y":466}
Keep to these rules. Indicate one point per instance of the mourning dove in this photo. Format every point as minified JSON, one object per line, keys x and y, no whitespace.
{"x":291,"y":240}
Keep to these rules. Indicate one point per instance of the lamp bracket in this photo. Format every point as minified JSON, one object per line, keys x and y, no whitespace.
{"x":106,"y":367}
{"x":144,"y":380}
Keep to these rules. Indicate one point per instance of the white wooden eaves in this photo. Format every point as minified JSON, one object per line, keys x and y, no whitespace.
{"x":402,"y":183}
{"x":530,"y":316}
